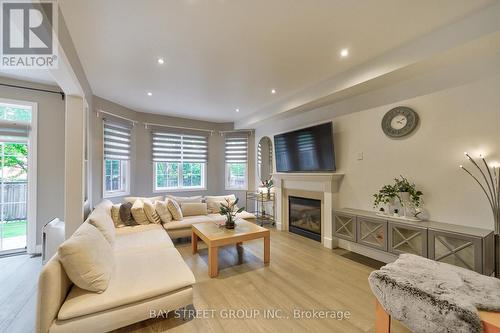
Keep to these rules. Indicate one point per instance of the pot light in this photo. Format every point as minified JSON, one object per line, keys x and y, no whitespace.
{"x":273,"y":91}
{"x":237,"y":110}
{"x":150,"y":94}
{"x":161,"y":61}
{"x":344,"y":53}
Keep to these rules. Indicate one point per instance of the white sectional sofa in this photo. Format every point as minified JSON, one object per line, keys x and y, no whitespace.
{"x":149,"y":274}
{"x":179,"y":229}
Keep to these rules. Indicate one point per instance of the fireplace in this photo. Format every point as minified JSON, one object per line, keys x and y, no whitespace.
{"x":304,"y":217}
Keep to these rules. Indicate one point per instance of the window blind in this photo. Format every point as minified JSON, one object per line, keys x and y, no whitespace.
{"x":10,"y":128}
{"x":236,"y":149}
{"x":172,"y":147}
{"x":117,"y":140}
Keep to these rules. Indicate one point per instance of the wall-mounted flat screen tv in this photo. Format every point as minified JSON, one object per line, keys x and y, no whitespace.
{"x":305,"y":150}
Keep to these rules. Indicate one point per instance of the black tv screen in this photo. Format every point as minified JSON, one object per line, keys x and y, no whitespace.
{"x":305,"y":150}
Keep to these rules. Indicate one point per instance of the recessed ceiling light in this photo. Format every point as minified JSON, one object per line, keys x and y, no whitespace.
{"x":344,"y":53}
{"x":237,"y":110}
{"x":273,"y":91}
{"x":161,"y":61}
{"x":150,"y":94}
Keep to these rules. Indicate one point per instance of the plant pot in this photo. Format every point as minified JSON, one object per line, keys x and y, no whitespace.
{"x":405,"y":199}
{"x":404,"y":196}
{"x":230,"y":223}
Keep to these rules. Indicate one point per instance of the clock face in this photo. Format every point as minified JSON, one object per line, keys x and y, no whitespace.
{"x":399,"y":122}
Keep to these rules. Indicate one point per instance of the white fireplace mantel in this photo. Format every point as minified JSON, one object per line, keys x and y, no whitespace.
{"x":324,"y":184}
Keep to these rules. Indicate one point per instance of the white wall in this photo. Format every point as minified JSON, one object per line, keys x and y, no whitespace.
{"x":463,"y":118}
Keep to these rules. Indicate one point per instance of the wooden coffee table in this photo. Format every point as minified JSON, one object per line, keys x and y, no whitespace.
{"x":215,"y":236}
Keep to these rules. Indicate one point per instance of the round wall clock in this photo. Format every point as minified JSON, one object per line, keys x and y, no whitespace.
{"x":399,"y":122}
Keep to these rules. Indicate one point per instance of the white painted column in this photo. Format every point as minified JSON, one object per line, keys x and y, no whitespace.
{"x":74,"y":164}
{"x":278,"y":202}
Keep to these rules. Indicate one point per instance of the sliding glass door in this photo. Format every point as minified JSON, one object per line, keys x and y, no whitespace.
{"x":13,"y":195}
{"x":16,"y":233}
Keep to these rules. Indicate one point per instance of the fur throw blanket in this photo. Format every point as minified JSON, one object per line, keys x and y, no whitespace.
{"x":430,"y":297}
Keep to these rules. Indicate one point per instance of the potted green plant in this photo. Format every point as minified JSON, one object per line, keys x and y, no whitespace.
{"x":229,"y":209}
{"x":385,"y":196}
{"x":408,"y":194}
{"x":268,"y":184}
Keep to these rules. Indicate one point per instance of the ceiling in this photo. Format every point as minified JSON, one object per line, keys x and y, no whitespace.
{"x":33,"y":75}
{"x":221,"y":55}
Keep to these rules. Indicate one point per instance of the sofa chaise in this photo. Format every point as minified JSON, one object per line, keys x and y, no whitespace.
{"x":149,"y":274}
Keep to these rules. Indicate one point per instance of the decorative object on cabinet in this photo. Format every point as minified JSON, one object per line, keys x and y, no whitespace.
{"x":409,"y":197}
{"x":264,"y":206}
{"x":467,"y":247}
{"x":489,"y":181}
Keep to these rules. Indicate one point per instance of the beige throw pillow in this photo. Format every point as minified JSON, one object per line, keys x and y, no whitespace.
{"x":192,"y":209}
{"x":150,"y":211}
{"x":87,"y":258}
{"x":163,"y":212}
{"x":175,"y":210}
{"x":133,"y":199}
{"x":138,"y":212}
{"x":104,"y":223}
{"x":213,"y":202}
{"x":105,"y":206}
{"x":181,"y":200}
{"x":115,"y":215}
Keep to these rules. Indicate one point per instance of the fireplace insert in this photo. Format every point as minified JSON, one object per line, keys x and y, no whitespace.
{"x":304,"y":217}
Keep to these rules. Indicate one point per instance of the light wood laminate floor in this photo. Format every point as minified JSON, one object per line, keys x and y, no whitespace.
{"x":18,"y":283}
{"x":302,"y":275}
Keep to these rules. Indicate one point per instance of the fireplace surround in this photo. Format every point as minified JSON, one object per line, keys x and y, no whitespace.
{"x":319,"y":186}
{"x":304,"y":217}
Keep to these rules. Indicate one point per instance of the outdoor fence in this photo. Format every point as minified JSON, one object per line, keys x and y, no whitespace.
{"x":13,"y":199}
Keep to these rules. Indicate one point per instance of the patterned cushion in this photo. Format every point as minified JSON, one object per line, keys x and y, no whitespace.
{"x":150,"y":211}
{"x":163,"y":212}
{"x":115,"y":215}
{"x":175,"y":210}
{"x":138,"y":212}
{"x":126,"y":214}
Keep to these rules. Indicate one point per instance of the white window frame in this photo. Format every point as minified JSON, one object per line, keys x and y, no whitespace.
{"x":235,"y":188}
{"x":31,"y":246}
{"x":180,"y":188}
{"x":124,"y":174}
